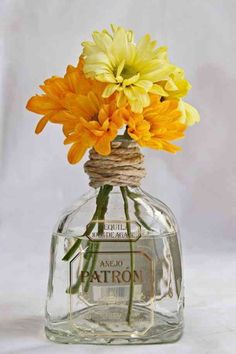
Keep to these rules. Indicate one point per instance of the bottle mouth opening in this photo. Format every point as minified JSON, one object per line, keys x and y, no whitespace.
{"x":124,"y":138}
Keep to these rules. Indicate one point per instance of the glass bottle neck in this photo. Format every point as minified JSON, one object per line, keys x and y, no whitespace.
{"x":118,"y":189}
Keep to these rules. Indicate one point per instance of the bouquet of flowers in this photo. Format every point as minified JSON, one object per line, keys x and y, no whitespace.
{"x":117,"y":84}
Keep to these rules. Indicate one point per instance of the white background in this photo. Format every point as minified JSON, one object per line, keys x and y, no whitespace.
{"x":38,"y":39}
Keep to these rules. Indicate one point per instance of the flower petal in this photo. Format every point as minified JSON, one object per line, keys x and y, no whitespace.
{"x":76,"y":152}
{"x":158,"y":90}
{"x":103,"y":146}
{"x":159,"y":74}
{"x":136,"y":106}
{"x":189,"y":115}
{"x":120,"y":68}
{"x":170,"y":85}
{"x":41,"y":124}
{"x":109,"y":90}
{"x":145,"y":84}
{"x":41,"y":104}
{"x":121,"y":99}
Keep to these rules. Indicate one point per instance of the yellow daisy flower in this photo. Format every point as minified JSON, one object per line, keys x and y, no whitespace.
{"x":176,"y":85}
{"x":189,"y":114}
{"x":131,"y":70}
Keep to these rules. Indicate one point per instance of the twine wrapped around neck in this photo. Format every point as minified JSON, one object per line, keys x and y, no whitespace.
{"x":123,"y":167}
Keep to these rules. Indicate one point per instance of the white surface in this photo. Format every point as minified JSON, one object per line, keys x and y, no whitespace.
{"x":38,"y":39}
{"x":210,"y":313}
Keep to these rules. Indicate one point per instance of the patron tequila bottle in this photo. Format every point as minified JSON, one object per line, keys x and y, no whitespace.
{"x":122,"y":281}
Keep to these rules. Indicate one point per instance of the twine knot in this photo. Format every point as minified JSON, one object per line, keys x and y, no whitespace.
{"x":123,"y":167}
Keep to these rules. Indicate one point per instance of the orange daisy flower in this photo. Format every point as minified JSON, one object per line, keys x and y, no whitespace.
{"x":76,"y":103}
{"x":157,"y":125}
{"x":96,"y":127}
{"x":53,"y":103}
{"x":50,"y":103}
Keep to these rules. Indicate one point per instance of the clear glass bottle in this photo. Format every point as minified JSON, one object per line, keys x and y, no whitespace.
{"x":115,"y":271}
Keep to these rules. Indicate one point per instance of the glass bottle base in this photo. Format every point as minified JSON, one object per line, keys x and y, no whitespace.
{"x":90,"y":326}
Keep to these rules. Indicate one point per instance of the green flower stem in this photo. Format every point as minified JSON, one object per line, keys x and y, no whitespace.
{"x":133,"y":197}
{"x":173,"y":243}
{"x":102,"y":201}
{"x":97,"y":244}
{"x":74,"y":289}
{"x":124,"y":192}
{"x":93,"y":258}
{"x":101,"y":197}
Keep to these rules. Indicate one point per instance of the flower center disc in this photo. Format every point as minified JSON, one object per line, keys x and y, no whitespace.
{"x":128,"y":72}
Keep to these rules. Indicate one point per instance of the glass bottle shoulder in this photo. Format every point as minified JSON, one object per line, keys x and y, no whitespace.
{"x":153,"y":216}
